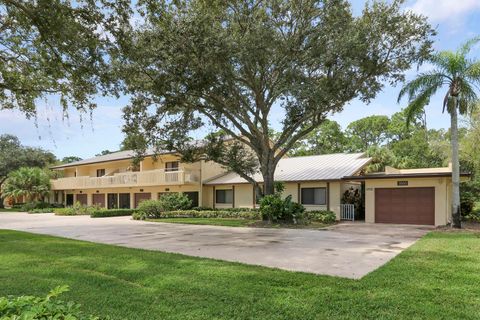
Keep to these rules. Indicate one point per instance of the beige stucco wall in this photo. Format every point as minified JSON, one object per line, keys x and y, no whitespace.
{"x":153,"y":190}
{"x":244,"y":196}
{"x":442,"y":195}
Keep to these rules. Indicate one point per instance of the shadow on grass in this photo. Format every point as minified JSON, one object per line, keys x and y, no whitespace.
{"x":138,"y":284}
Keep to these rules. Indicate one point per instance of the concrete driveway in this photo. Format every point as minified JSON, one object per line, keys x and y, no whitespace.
{"x":345,"y":250}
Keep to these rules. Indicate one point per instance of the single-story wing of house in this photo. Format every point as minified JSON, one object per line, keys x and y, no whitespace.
{"x":337,"y":182}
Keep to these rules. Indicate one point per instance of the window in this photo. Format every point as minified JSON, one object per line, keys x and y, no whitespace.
{"x":124,"y":200}
{"x":193,"y":195}
{"x":224,"y":196}
{"x":100,"y":172}
{"x":172,"y":166}
{"x":315,"y":196}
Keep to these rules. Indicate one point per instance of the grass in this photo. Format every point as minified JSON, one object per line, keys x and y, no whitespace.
{"x":437,"y":278}
{"x":8,"y":210}
{"x":228,"y":222}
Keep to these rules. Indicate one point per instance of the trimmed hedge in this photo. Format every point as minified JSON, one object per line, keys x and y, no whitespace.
{"x":103,"y":213}
{"x":239,"y":214}
{"x":323,"y":216}
{"x":45,"y":210}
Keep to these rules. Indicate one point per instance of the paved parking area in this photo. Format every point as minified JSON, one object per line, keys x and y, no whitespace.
{"x":345,"y":250}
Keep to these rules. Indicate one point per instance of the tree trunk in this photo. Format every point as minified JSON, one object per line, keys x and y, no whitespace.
{"x":2,"y":180}
{"x":456,"y":214}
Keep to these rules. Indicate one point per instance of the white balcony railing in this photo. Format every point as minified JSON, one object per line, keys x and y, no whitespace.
{"x":127,"y":179}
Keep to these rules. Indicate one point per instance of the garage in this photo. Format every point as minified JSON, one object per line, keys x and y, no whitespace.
{"x":405,"y":205}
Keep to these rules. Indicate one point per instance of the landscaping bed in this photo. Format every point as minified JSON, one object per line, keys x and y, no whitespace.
{"x":436,"y":278}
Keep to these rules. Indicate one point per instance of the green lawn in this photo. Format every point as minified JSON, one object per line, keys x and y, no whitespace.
{"x":437,"y":278}
{"x":8,"y":210}
{"x":228,"y":222}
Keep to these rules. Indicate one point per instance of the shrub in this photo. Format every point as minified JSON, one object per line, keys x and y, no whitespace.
{"x":102,"y":213}
{"x":473,"y":217}
{"x":149,"y":209}
{"x":76,"y":210}
{"x":271,"y":207}
{"x":175,"y":201}
{"x":34,"y":205}
{"x":469,"y":195}
{"x":238,"y":214}
{"x":46,"y":210}
{"x":49,"y":307}
{"x":323,"y":216}
{"x":274,"y":208}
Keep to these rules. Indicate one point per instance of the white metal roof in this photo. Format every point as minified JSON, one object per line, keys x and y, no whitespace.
{"x":309,"y":168}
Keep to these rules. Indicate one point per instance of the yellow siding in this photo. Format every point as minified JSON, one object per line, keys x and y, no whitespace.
{"x":153,"y":190}
{"x":442,"y":195}
{"x":243,"y":196}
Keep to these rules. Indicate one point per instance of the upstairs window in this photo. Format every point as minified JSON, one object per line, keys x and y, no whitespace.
{"x":172,"y":166}
{"x":100,"y":172}
{"x":314,"y":196}
{"x":224,"y":196}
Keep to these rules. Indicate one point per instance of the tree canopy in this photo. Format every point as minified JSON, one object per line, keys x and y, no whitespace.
{"x":52,"y":48}
{"x":459,"y":75}
{"x":234,"y":65}
{"x":31,"y":183}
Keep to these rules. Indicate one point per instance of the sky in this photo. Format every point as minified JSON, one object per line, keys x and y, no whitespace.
{"x":454,"y":20}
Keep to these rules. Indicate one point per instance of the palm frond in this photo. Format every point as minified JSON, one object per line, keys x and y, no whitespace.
{"x":468,"y":45}
{"x":423,"y":82}
{"x":418,"y":103}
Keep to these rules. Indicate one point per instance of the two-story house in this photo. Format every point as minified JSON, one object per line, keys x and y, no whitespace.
{"x":112,"y":181}
{"x":320,"y":182}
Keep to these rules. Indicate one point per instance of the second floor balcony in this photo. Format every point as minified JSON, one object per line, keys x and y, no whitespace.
{"x":128,"y":179}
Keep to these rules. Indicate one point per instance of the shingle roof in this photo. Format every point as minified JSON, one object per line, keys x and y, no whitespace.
{"x":120,"y":155}
{"x":309,"y":168}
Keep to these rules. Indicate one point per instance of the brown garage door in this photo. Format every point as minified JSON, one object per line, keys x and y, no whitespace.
{"x":99,"y":199}
{"x":140,"y":197}
{"x":405,"y":205}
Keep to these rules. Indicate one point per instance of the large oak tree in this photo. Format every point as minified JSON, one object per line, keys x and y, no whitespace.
{"x":239,"y":65}
{"x":53,"y":48}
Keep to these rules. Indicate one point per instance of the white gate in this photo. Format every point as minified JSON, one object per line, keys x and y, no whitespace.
{"x":347,"y":212}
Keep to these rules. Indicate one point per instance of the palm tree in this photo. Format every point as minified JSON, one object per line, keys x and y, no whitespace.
{"x":460,"y":77}
{"x":28,"y":182}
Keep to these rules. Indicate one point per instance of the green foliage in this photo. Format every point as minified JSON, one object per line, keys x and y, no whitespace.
{"x":31,"y":183}
{"x":75,"y":210}
{"x":43,"y":210}
{"x":327,"y":138}
{"x":49,"y":307}
{"x":220,"y":213}
{"x":70,"y":159}
{"x":13,"y":156}
{"x":229,"y":63}
{"x":102,"y":213}
{"x":367,"y":132}
{"x":152,"y":209}
{"x":34,"y":205}
{"x":322,"y":216}
{"x":52,"y":48}
{"x":469,"y":196}
{"x":273,"y":208}
{"x":175,"y":201}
